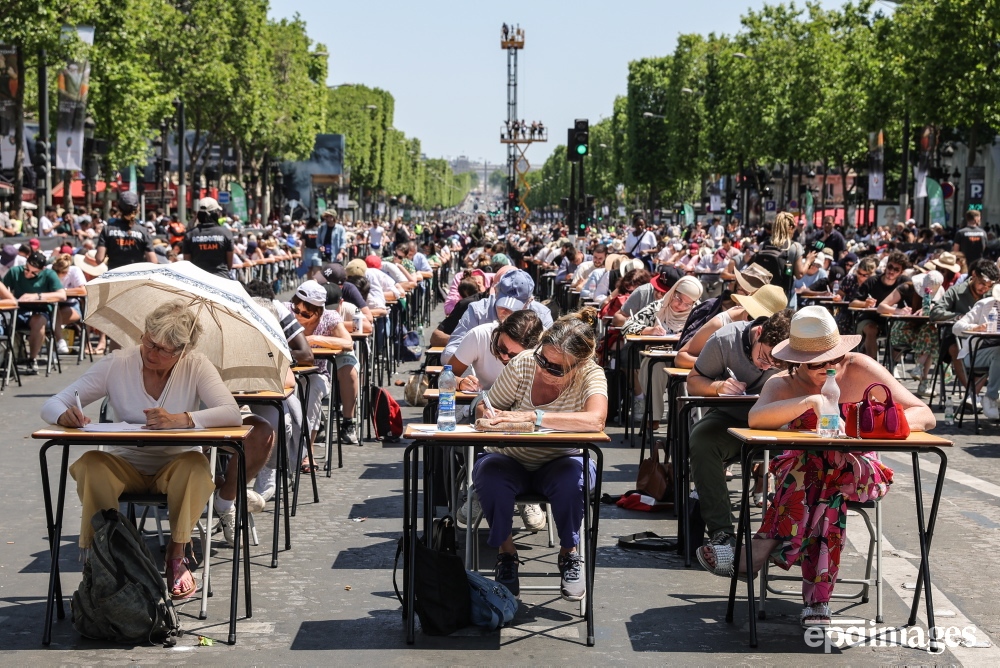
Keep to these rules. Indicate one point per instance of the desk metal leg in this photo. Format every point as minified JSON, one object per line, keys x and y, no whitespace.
{"x":55,"y":536}
{"x":926,"y":535}
{"x":283,"y":475}
{"x":411,"y":462}
{"x":744,"y":537}
{"x":470,"y":460}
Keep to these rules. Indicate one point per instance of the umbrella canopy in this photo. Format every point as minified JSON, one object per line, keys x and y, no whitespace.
{"x":242,"y":340}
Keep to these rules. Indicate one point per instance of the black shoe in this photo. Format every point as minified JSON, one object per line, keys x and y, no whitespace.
{"x":505,"y":572}
{"x":349,"y":434}
{"x":32,"y":369}
{"x":571,"y":583}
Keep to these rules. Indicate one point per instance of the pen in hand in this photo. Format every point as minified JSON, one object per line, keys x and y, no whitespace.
{"x":489,"y":412}
{"x":733,"y":376}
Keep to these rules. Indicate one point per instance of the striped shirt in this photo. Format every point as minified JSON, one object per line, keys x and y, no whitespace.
{"x":512,"y":392}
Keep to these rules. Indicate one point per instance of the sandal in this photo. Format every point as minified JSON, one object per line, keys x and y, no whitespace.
{"x":721,"y":547}
{"x":178,"y":592}
{"x":306,"y":467}
{"x":817,"y":614}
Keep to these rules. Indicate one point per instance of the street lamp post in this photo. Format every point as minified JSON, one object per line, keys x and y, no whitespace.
{"x":181,"y":176}
{"x":88,"y":160}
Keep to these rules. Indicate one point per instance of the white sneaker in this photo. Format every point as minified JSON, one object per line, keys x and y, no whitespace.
{"x":265,"y":484}
{"x":227,"y":520}
{"x":990,"y":409}
{"x":533,"y":516}
{"x":255,"y":501}
{"x":477,"y":510}
{"x":62,"y":347}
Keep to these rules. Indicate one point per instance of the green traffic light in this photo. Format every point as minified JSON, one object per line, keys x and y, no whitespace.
{"x":581,"y":149}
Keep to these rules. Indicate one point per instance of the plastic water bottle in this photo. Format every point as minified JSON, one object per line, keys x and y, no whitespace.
{"x":829,"y":418}
{"x":358,"y":321}
{"x":836,"y":287}
{"x":949,"y":412}
{"x":927,"y":301}
{"x":991,"y":321}
{"x":446,"y":400}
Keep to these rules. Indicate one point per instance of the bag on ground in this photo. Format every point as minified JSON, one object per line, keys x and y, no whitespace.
{"x":654,"y":478}
{"x":415,"y":387}
{"x":386,"y":415}
{"x":492,"y":603}
{"x":410,"y":351}
{"x":441,"y":591}
{"x":122,"y":597}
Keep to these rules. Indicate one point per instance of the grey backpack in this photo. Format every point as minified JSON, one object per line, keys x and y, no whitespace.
{"x":122,"y":596}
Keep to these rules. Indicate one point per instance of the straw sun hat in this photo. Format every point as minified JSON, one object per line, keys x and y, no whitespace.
{"x":813,"y":337}
{"x":766,"y":301}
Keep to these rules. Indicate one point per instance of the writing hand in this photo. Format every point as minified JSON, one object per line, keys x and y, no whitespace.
{"x":732,"y":387}
{"x":73,"y":418}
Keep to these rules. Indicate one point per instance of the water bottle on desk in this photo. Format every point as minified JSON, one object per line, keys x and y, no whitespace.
{"x":828,"y":422}
{"x":836,"y":287}
{"x":991,"y":321}
{"x":359,"y":319}
{"x":927,"y":301}
{"x":446,"y":399}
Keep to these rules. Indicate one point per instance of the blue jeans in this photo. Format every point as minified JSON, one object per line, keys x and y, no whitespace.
{"x":499,"y":478}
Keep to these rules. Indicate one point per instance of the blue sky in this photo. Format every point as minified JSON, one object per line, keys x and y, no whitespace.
{"x":442,"y":61}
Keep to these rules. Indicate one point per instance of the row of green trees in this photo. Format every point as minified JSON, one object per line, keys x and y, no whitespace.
{"x":247,"y":81}
{"x":796,"y":85}
{"x":383,"y":159}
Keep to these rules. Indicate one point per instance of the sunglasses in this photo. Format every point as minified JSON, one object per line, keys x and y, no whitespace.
{"x":548,"y":367}
{"x":304,"y":312}
{"x":822,"y":365}
{"x":498,"y":351}
{"x":893,"y":268}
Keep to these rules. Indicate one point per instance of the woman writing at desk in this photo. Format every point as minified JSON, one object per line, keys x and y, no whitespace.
{"x":161,"y":383}
{"x":559,"y":386}
{"x":806,"y":521}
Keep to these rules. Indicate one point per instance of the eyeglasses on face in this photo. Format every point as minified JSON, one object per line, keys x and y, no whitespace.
{"x":548,"y":367}
{"x":160,"y":350}
{"x":764,"y":359}
{"x":822,"y":365}
{"x":304,"y":311}
{"x":893,"y":268}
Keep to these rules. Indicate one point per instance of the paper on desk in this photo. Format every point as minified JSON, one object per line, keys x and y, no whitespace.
{"x":432,"y":429}
{"x":113,"y":426}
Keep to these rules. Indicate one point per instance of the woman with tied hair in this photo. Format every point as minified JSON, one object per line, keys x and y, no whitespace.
{"x":556,"y":385}
{"x":161,"y":383}
{"x":488,"y":348}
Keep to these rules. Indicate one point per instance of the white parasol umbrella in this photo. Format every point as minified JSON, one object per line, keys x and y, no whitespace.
{"x":242,"y":340}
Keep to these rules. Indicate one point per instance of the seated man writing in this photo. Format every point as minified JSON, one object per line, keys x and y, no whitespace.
{"x":736,"y":360}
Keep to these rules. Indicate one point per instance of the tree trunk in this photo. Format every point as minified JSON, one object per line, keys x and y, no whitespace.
{"x":19,"y":137}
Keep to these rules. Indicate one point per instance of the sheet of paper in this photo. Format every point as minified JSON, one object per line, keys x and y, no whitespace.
{"x":114,"y":426}
{"x":432,"y":429}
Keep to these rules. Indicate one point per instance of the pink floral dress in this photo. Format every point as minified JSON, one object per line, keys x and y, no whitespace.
{"x":809,"y":513}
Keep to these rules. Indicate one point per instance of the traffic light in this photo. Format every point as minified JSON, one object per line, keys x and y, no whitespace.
{"x":578,"y":140}
{"x":42,"y":160}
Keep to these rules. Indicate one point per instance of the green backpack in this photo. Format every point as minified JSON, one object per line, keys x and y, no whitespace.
{"x":123,"y":597}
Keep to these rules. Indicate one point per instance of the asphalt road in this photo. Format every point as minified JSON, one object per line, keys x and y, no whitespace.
{"x":331,"y":600}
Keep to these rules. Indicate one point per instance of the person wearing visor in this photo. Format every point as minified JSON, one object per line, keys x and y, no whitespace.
{"x":123,"y":242}
{"x":209,"y":245}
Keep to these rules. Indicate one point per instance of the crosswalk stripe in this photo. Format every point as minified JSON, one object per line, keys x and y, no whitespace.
{"x":931,"y":466}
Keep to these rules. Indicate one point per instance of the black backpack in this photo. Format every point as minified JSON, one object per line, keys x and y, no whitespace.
{"x":776,"y":261}
{"x":441,"y":588}
{"x":122,"y":597}
{"x":699,"y":315}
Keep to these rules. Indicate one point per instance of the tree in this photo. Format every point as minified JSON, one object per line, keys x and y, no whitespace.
{"x":647,"y":151}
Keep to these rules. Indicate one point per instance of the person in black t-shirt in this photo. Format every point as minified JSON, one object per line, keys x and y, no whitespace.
{"x":334,"y":274}
{"x":123,"y":242}
{"x":971,"y":239}
{"x":209,"y":245}
{"x":872,"y":292}
{"x":833,"y":239}
{"x":467,"y":289}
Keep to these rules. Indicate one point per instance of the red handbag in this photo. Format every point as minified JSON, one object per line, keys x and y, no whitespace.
{"x":870,"y":418}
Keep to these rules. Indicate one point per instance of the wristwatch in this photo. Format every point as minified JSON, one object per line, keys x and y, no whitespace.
{"x":538,"y":417}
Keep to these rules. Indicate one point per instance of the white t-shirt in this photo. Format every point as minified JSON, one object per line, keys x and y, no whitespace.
{"x":45,"y":227}
{"x":391,"y":270}
{"x":635,"y":244}
{"x":74,"y":278}
{"x":474,"y":351}
{"x":375,"y":236}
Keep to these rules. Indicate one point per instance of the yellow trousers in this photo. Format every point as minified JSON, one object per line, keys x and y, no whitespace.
{"x":102,"y":477}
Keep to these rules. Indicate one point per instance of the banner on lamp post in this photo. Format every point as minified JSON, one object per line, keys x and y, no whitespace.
{"x":876,"y":166}
{"x":689,"y":214}
{"x":238,"y":203}
{"x":9,"y":86}
{"x":73,"y":85}
{"x":810,"y":208}
{"x":935,"y":198}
